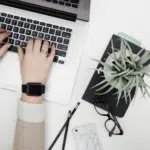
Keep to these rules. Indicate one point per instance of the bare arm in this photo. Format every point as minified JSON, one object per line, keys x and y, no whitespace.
{"x":35,"y":66}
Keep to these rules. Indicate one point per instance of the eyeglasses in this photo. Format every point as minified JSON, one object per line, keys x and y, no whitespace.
{"x":111,"y":124}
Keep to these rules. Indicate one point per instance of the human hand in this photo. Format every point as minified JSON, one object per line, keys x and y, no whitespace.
{"x":35,"y":64}
{"x":3,"y":35}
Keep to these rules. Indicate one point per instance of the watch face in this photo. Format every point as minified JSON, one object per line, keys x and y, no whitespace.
{"x":35,"y":89}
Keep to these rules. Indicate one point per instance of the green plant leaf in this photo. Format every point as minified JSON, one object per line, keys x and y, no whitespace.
{"x":104,"y":64}
{"x":129,"y":73}
{"x":113,"y":85}
{"x":105,"y":85}
{"x":130,"y":51}
{"x":122,"y":73}
{"x":137,"y":56}
{"x":117,"y":62}
{"x":113,"y":50}
{"x":143,"y":59}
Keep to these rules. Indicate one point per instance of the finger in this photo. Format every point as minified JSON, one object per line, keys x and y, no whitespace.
{"x":29,"y":48}
{"x":4,"y":35}
{"x":20,"y":53}
{"x":4,"y":49}
{"x":52,"y":54}
{"x":45,"y":47}
{"x":2,"y":30}
{"x":37,"y":46}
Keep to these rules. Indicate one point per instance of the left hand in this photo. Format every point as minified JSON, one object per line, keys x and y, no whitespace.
{"x":4,"y":34}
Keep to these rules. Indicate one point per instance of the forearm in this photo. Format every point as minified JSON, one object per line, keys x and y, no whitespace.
{"x":30,"y":127}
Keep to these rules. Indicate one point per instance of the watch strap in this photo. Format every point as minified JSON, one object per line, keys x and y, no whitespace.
{"x":25,"y":88}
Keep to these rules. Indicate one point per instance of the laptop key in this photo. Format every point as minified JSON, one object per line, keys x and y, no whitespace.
{"x":22,"y":37}
{"x":14,"y":22}
{"x":39,"y":28}
{"x":3,"y":14}
{"x":16,"y":29}
{"x":17,"y":42}
{"x":41,"y":35}
{"x":55,"y":27}
{"x":23,"y":44}
{"x":62,"y":47}
{"x":2,"y":19}
{"x":7,"y":20}
{"x":45,"y":30}
{"x":10,"y":16}
{"x":55,"y":59}
{"x":55,"y":1}
{"x":34,"y":34}
{"x":52,"y":31}
{"x":16,"y":17}
{"x":61,"y":62}
{"x":11,"y":41}
{"x":74,"y":6}
{"x":66,"y":41}
{"x":69,"y":30}
{"x":61,"y":53}
{"x":60,"y":40}
{"x":22,"y":30}
{"x":15,"y":36}
{"x":26,"y":25}
{"x":20,"y":24}
{"x":13,"y":49}
{"x":42,"y":23}
{"x":58,"y":33}
{"x":9,"y":28}
{"x":68,"y":4}
{"x":3,"y":26}
{"x":61,"y":3}
{"x":29,"y":20}
{"x":32,"y":26}
{"x":49,"y":25}
{"x":36,"y":22}
{"x":23,"y":19}
{"x":28,"y":32}
{"x":53,"y":38}
{"x":66,"y":35}
{"x":74,"y":1}
{"x":62,"y":28}
{"x":47,"y":37}
{"x":28,"y":38}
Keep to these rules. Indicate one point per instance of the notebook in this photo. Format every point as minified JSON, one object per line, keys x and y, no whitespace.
{"x":111,"y":99}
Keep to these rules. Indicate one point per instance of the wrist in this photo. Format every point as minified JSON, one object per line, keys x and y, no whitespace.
{"x":32,"y":99}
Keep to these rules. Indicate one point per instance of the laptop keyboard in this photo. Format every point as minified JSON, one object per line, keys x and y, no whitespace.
{"x":68,"y":3}
{"x":24,"y":29}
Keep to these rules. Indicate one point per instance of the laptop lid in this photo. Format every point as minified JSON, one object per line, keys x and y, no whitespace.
{"x":65,"y":9}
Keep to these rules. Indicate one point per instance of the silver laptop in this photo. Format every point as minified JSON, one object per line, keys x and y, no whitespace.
{"x":61,"y":22}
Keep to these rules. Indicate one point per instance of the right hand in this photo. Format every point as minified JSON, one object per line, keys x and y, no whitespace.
{"x":35,"y":64}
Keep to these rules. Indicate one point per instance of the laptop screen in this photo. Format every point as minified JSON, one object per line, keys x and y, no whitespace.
{"x":79,"y":7}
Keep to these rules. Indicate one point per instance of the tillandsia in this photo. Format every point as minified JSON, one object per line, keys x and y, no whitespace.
{"x":126,"y":71}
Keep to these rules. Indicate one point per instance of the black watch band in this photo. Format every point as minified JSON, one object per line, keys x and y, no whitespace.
{"x":33,"y":89}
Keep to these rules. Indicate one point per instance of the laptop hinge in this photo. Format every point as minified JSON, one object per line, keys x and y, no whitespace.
{"x":40,"y":9}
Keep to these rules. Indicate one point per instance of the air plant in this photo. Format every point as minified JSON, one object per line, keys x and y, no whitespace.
{"x":125,"y":71}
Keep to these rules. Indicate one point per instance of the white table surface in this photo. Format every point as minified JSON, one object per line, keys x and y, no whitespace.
{"x":107,"y":17}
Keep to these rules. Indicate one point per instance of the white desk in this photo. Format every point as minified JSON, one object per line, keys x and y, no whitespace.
{"x":107,"y":17}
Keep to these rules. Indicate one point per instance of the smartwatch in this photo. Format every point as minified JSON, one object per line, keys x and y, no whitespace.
{"x":33,"y":89}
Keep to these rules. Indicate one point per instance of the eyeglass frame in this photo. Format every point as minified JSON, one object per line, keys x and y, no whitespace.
{"x":113,"y":118}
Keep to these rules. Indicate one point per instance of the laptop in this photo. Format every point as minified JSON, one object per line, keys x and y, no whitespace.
{"x":61,"y":22}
